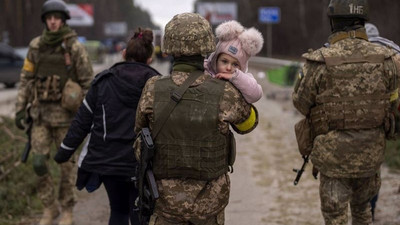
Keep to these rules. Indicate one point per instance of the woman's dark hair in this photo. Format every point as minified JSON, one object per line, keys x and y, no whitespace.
{"x":140,"y":46}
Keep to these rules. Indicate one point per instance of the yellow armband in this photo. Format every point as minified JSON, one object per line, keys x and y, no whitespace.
{"x":249,"y":124}
{"x":394,"y":95}
{"x":28,"y":66}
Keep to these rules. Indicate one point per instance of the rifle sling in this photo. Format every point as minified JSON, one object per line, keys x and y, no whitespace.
{"x":176,"y":96}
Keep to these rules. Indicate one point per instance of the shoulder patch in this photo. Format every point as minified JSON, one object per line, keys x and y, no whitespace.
{"x":300,"y":75}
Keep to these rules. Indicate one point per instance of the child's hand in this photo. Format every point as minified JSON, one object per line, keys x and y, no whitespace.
{"x":224,"y":76}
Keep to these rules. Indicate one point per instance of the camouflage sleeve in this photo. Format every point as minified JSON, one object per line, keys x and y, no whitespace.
{"x":83,"y":66}
{"x":395,"y":96}
{"x":144,"y":112}
{"x":306,"y":88}
{"x":27,"y":76}
{"x":233,"y":108}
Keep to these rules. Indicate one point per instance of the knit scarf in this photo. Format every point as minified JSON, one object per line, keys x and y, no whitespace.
{"x":55,"y":38}
{"x":188,"y":63}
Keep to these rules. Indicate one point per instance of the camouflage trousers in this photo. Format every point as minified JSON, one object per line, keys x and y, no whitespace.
{"x":212,"y":220}
{"x":337,"y":193}
{"x":191,"y":202}
{"x":42,"y":139}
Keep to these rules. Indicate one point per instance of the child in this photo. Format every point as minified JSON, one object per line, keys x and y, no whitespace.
{"x":108,"y":116}
{"x":230,"y":59}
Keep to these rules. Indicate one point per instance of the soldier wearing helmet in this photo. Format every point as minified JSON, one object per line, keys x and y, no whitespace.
{"x":55,"y":6}
{"x":194,"y":147}
{"x":55,"y":60}
{"x":374,"y":37}
{"x":348,"y":93}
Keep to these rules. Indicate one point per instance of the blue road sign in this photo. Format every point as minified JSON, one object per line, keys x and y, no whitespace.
{"x":269,"y":14}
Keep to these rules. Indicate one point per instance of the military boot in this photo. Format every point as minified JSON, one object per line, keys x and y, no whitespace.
{"x":49,"y":214}
{"x":66,"y":217}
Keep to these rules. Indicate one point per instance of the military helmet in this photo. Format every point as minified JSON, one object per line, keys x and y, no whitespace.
{"x":348,"y":8}
{"x":55,"y":6}
{"x":188,"y":34}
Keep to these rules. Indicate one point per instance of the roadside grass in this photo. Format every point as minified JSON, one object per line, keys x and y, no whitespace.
{"x":18,"y":198}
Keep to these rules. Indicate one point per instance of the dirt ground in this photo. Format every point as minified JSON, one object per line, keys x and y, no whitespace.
{"x":262,"y":182}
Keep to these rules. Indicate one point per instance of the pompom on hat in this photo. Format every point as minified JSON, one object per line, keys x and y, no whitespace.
{"x":238,"y":42}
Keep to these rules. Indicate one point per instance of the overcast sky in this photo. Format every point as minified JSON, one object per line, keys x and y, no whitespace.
{"x":162,"y":11}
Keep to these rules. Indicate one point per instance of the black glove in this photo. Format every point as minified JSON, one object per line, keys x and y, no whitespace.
{"x":63,"y":155}
{"x":19,"y":118}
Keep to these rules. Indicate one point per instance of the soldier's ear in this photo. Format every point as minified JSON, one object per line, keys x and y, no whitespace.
{"x":124,"y":54}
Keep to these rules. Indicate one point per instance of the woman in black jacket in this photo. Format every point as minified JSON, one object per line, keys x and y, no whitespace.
{"x":107,"y":116}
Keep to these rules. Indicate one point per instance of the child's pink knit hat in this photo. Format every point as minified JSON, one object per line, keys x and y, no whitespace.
{"x":238,"y":42}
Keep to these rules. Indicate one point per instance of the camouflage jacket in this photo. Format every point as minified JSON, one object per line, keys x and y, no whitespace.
{"x":187,"y":198}
{"x":52,"y":113}
{"x":345,"y":153}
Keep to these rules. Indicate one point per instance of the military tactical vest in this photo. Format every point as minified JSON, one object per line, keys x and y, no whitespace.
{"x":356,"y":89}
{"x":51,"y":74}
{"x":190,"y":145}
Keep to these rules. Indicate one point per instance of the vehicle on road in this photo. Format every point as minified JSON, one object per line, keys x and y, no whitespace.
{"x":10,"y":65}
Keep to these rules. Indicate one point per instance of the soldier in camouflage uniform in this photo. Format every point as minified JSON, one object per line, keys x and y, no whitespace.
{"x":349,"y":93}
{"x":373,"y":36}
{"x":52,"y":58}
{"x":191,"y":157}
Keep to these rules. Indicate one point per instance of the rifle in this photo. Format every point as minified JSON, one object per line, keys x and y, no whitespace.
{"x":28,"y":131}
{"x":148,"y":192}
{"x":300,"y":171}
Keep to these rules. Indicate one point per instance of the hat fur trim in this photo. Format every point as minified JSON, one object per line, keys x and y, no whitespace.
{"x":250,"y":39}
{"x":228,"y":30}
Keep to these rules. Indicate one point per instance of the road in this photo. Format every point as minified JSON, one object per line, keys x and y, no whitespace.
{"x":262,"y":190}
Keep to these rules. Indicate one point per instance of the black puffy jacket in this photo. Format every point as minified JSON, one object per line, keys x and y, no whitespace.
{"x":108,"y":115}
